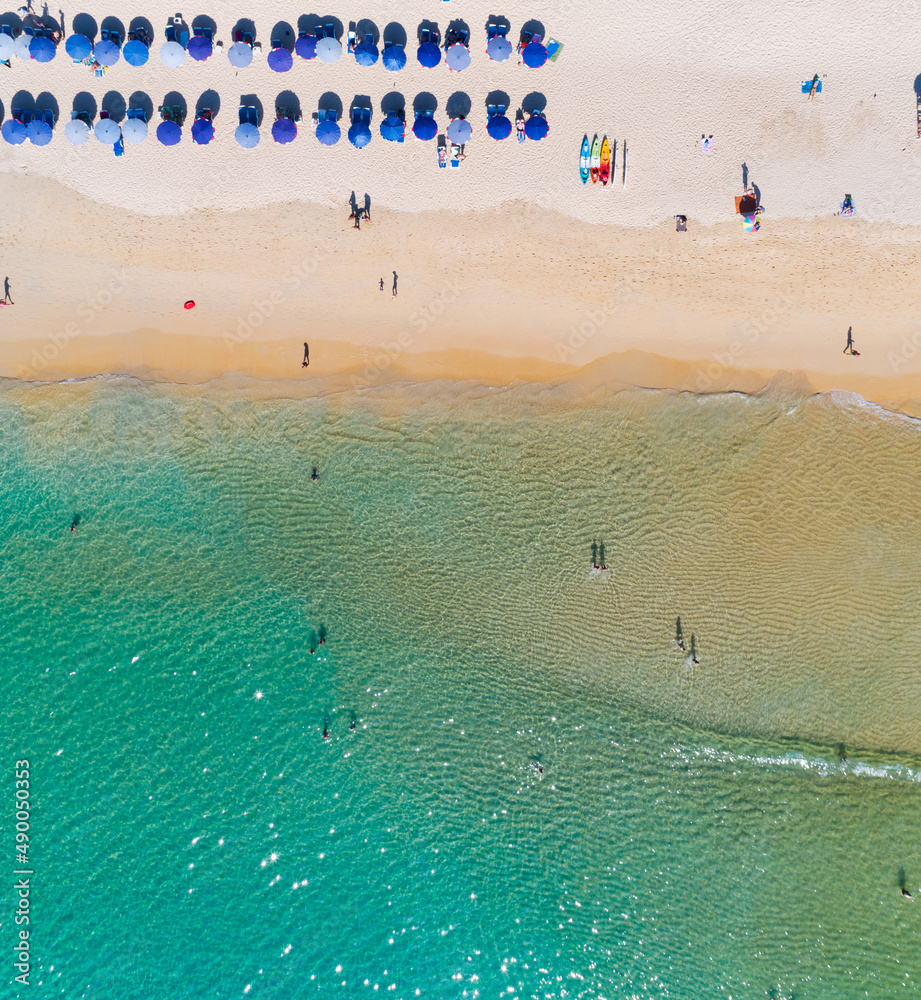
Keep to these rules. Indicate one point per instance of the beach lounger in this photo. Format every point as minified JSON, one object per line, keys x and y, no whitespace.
{"x":196,"y":31}
{"x":442,"y":156}
{"x":321,"y":115}
{"x":103,"y":114}
{"x":502,"y":30}
{"x":237,"y":36}
{"x":331,"y":114}
{"x":177,"y":20}
{"x":170,"y":33}
{"x":455,"y":154}
{"x":178,"y":116}
{"x":119,"y":147}
{"x":537,"y":38}
{"x":330,"y":31}
{"x":356,"y":116}
{"x":242,"y":113}
{"x":183,"y":38}
{"x":251,"y":115}
{"x":318,"y":31}
{"x":365,"y":116}
{"x":463,"y":36}
{"x":500,"y":109}
{"x":491,"y":31}
{"x":6,"y":30}
{"x":351,"y":40}
{"x":208,"y":33}
{"x":302,"y":33}
{"x":205,"y":113}
{"x":425,"y":36}
{"x":104,"y":34}
{"x":248,"y":37}
{"x":48,"y":117}
{"x":165,"y":113}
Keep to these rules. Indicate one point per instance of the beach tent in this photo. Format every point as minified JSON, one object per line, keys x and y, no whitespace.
{"x":429,"y":55}
{"x":359,"y":135}
{"x":394,"y":57}
{"x":284,"y":131}
{"x":134,"y":130}
{"x":199,"y":47}
{"x":78,"y":47}
{"x":39,"y":132}
{"x":106,"y":53}
{"x":393,"y":128}
{"x":202,"y":131}
{"x":136,"y":53}
{"x":42,"y":49}
{"x":280,"y":60}
{"x":536,"y":127}
{"x":329,"y":50}
{"x":240,"y":54}
{"x":247,"y":135}
{"x":499,"y":49}
{"x":459,"y":131}
{"x":169,"y":133}
{"x":76,"y":132}
{"x":107,"y":131}
{"x":425,"y":128}
{"x":457,"y":57}
{"x":172,"y":54}
{"x":328,"y":133}
{"x":499,"y":127}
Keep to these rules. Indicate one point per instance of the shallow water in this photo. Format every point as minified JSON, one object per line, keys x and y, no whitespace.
{"x":693,"y":829}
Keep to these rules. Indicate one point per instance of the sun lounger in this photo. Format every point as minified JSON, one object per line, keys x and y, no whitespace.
{"x":205,"y":113}
{"x":463,"y":36}
{"x":178,"y":116}
{"x":248,"y":37}
{"x":490,"y":110}
{"x":356,"y":116}
{"x":365,"y":116}
{"x":321,"y":115}
{"x":455,"y":155}
{"x":208,"y":33}
{"x":196,"y":31}
{"x":237,"y":36}
{"x":183,"y":38}
{"x":103,"y":114}
{"x":177,"y":20}
{"x":331,"y":114}
{"x":119,"y":147}
{"x":6,"y":30}
{"x":104,"y":34}
{"x":502,"y":30}
{"x":170,"y":33}
{"x":442,"y":157}
{"x":318,"y":31}
{"x":242,"y":114}
{"x":165,"y":113}
{"x":425,"y":36}
{"x":490,"y":31}
{"x":351,"y":40}
{"x":500,"y":109}
{"x":330,"y":31}
{"x":251,"y":115}
{"x":48,"y":117}
{"x":537,"y":38}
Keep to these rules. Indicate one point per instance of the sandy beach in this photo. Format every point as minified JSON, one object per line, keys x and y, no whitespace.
{"x":509,"y":268}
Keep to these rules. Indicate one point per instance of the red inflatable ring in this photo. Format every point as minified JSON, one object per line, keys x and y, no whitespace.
{"x":190,"y":304}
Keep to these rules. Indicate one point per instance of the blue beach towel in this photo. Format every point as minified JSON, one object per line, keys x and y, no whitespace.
{"x":807,"y":86}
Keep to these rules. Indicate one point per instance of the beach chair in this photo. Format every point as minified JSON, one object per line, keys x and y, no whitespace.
{"x":178,"y":116}
{"x":140,"y":115}
{"x":302,"y":33}
{"x":318,"y":31}
{"x":331,"y":114}
{"x":537,"y":38}
{"x":104,"y":34}
{"x":425,"y":36}
{"x":5,"y":29}
{"x":248,"y":37}
{"x":442,"y":156}
{"x":276,"y":43}
{"x":330,"y":31}
{"x":455,"y":154}
{"x":463,"y":36}
{"x":429,"y":113}
{"x":237,"y":35}
{"x":490,"y":110}
{"x":500,"y":109}
{"x":119,"y":147}
{"x":205,"y":114}
{"x":116,"y":38}
{"x":365,"y":116}
{"x":242,"y":114}
{"x":170,"y":33}
{"x":321,"y":115}
{"x":491,"y":31}
{"x":197,"y":31}
{"x":131,"y":36}
{"x":48,"y":116}
{"x":351,"y":41}
{"x":251,"y":115}
{"x":165,"y":113}
{"x":183,"y":38}
{"x":418,"y":114}
{"x":356,"y":116}
{"x":208,"y":33}
{"x":502,"y":30}
{"x":369,"y":39}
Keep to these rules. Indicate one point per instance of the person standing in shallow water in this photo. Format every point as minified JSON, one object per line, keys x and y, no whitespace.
{"x":306,"y":360}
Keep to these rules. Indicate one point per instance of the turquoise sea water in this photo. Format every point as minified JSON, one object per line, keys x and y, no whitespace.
{"x":693,"y":832}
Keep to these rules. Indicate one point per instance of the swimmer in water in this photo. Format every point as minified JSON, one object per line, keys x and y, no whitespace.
{"x":74,"y":523}
{"x":694,"y":650}
{"x":537,"y":767}
{"x":905,"y":892}
{"x":326,"y":733}
{"x":594,"y":555}
{"x":312,"y":645}
{"x":322,"y":636}
{"x":314,"y":475}
{"x":601,"y":555}
{"x":679,"y":635}
{"x":352,"y":725}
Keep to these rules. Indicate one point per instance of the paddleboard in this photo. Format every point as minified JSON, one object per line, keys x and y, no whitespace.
{"x":596,"y":160}
{"x":605,"y":169}
{"x":584,"y":160}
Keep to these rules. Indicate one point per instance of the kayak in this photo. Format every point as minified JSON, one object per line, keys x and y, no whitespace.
{"x":596,"y":160}
{"x":605,"y":169}
{"x":584,"y":159}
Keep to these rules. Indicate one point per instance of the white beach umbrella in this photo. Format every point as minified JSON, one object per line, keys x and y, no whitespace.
{"x":76,"y":132}
{"x":21,"y":46}
{"x":329,"y":50}
{"x":240,"y":54}
{"x":107,"y":131}
{"x":134,"y":131}
{"x":7,"y":47}
{"x":172,"y":54}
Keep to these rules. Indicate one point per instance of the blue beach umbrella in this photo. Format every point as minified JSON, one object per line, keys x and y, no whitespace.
{"x":499,"y":49}
{"x":280,"y":60}
{"x":499,"y":127}
{"x":169,"y":133}
{"x":425,"y":128}
{"x":394,"y":58}
{"x":199,"y":47}
{"x":306,"y":48}
{"x":42,"y":49}
{"x":284,"y":131}
{"x":78,"y":46}
{"x":105,"y":52}
{"x":136,"y":53}
{"x":536,"y":127}
{"x":429,"y":55}
{"x":328,"y":133}
{"x":107,"y":131}
{"x":457,"y":57}
{"x":459,"y":131}
{"x":39,"y":132}
{"x":359,"y":135}
{"x":240,"y":54}
{"x":392,"y":129}
{"x":534,"y":55}
{"x":202,"y":131}
{"x":366,"y":55}
{"x":247,"y":135}
{"x":14,"y":132}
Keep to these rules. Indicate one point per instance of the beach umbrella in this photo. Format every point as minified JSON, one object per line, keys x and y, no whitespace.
{"x":459,"y":131}
{"x":169,"y":133}
{"x":240,"y":54}
{"x":14,"y":132}
{"x":429,"y":54}
{"x":8,"y":46}
{"x":39,"y":132}
{"x":329,"y":50}
{"x":21,"y":46}
{"x":247,"y":135}
{"x":136,"y":53}
{"x":202,"y":131}
{"x":534,"y":55}
{"x":394,"y":58}
{"x":105,"y":52}
{"x":42,"y":49}
{"x":77,"y":46}
{"x":366,"y":54}
{"x":457,"y":57}
{"x":499,"y":49}
{"x":199,"y":47}
{"x":306,"y":48}
{"x":425,"y":128}
{"x":328,"y":133}
{"x":499,"y":127}
{"x":284,"y":131}
{"x":392,"y":128}
{"x":536,"y":127}
{"x":359,"y":135}
{"x":134,"y":130}
{"x":172,"y":54}
{"x":107,"y":131}
{"x":76,"y":132}
{"x":280,"y":60}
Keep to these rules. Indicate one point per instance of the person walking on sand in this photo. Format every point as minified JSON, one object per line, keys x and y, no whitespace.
{"x":306,"y":360}
{"x":849,"y":349}
{"x":382,"y":284}
{"x":394,"y":285}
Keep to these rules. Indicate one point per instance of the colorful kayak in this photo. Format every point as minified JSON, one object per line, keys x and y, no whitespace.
{"x":595,"y":168}
{"x":605,"y":169}
{"x":584,"y":160}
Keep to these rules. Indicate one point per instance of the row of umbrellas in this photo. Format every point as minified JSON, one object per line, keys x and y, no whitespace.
{"x":327,"y":49}
{"x":134,"y":130}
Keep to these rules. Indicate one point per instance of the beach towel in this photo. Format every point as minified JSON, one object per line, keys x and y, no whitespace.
{"x":554,"y":48}
{"x":807,"y":86}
